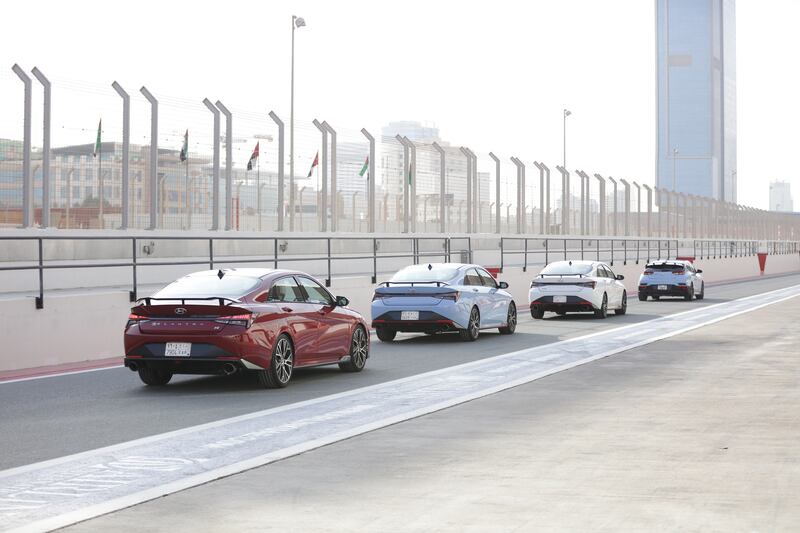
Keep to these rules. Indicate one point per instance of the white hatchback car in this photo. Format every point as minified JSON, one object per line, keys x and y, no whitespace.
{"x":577,"y":286}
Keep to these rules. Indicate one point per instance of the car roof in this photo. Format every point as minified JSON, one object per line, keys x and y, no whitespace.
{"x":249,"y":272}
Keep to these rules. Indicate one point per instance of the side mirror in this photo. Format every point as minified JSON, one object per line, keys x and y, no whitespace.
{"x":503,"y":285}
{"x":341,"y":301}
{"x":699,"y":271}
{"x":620,"y":277}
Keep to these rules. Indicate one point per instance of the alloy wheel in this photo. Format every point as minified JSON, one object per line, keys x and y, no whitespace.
{"x":358,"y":349}
{"x":284,"y":360}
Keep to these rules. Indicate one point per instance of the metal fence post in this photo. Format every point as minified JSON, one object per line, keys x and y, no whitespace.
{"x":154,"y":192}
{"x":45,"y":220}
{"x":126,"y":145}
{"x":281,"y":179}
{"x":215,"y":167}
{"x":374,"y":260}
{"x":497,"y":192}
{"x":371,"y":178}
{"x":334,"y":199}
{"x":328,"y":279}
{"x":211,"y":253}
{"x":228,"y":165}
{"x":525,"y":263}
{"x":40,"y":298}
{"x":27,"y":177}
{"x":132,"y":295}
{"x":502,"y":254}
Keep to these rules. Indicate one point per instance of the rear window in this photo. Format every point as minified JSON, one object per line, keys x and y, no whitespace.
{"x":422,"y":273}
{"x":565,"y":269}
{"x":665,"y":267}
{"x":230,"y":286}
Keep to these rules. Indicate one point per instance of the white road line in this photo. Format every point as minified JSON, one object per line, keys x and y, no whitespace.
{"x":66,"y":490}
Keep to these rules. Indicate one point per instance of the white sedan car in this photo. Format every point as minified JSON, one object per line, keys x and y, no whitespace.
{"x":577,"y":286}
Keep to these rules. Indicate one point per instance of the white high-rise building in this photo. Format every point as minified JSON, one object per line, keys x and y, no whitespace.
{"x":780,"y":196}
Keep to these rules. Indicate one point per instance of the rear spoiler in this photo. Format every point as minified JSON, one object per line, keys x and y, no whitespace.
{"x":567,"y":275}
{"x":412,"y":283}
{"x":221,"y":299}
{"x":422,"y":291}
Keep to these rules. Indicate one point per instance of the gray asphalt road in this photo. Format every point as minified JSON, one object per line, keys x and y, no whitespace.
{"x":696,"y":432}
{"x":53,"y":417}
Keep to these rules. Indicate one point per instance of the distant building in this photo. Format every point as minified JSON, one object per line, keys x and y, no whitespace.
{"x":696,"y":97}
{"x":780,"y":197}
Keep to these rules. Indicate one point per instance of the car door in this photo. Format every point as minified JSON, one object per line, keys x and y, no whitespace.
{"x":497,"y":305}
{"x":333,"y":326}
{"x":612,"y":287}
{"x":289,"y":302}
{"x":471,"y":292}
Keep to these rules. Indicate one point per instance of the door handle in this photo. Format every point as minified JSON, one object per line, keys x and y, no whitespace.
{"x":287,"y":309}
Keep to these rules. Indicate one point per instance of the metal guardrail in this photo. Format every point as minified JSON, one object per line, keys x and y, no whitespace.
{"x":544,"y":249}
{"x":135,"y":263}
{"x":636,"y":250}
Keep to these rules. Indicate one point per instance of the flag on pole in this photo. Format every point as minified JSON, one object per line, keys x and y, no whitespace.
{"x":253,"y":158}
{"x":314,"y":164}
{"x":185,"y":149}
{"x":97,"y":142}
{"x":365,"y":168}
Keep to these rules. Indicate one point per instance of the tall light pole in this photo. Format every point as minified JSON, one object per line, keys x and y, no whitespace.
{"x":674,"y":161}
{"x":567,"y":113}
{"x":297,"y":22}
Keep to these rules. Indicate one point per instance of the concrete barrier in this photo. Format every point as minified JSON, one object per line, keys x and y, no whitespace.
{"x":88,"y":326}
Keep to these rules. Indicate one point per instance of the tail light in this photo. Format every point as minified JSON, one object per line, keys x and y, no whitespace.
{"x":589,"y":284}
{"x":133,"y":318}
{"x":377,"y":296}
{"x":678,"y":272}
{"x":648,"y":272}
{"x":452,"y":296}
{"x":245,"y":320}
{"x":537,"y":284}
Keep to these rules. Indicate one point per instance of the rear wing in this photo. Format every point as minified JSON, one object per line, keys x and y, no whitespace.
{"x":220,"y":299}
{"x":414,"y":283}
{"x":567,"y":275}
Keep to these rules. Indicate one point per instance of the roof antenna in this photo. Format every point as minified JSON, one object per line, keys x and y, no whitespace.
{"x":220,"y":273}
{"x":430,"y":267}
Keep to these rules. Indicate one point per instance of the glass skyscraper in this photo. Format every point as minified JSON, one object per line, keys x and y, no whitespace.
{"x":696,"y":94}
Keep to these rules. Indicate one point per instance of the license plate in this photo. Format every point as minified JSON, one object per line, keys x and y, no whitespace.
{"x":178,"y":349}
{"x":662,"y":287}
{"x":409,"y":315}
{"x":559,"y":299}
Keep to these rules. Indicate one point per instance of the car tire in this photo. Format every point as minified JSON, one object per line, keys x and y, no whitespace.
{"x":537,"y":313}
{"x":623,"y":308}
{"x":642,"y":297}
{"x":689,"y":295}
{"x":281,"y":365}
{"x":602,"y":312}
{"x":511,"y":320}
{"x":154,"y":377}
{"x":473,"y":327}
{"x":702,"y":293}
{"x":385,"y":334}
{"x":359,"y":351}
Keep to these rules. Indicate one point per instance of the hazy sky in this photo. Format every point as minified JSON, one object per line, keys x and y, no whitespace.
{"x":492,"y":75}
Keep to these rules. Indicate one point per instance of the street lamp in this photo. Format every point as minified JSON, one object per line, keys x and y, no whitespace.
{"x":567,"y":113}
{"x":297,"y":22}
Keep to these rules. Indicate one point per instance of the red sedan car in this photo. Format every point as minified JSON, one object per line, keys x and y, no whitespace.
{"x":247,"y":319}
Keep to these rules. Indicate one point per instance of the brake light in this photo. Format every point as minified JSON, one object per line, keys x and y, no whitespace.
{"x":245,"y":320}
{"x":589,"y":284}
{"x":537,"y":284}
{"x":133,"y":318}
{"x":648,"y":272}
{"x":377,"y":296}
{"x":678,"y":272}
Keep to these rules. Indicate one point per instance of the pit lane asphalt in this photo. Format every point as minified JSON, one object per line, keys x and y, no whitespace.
{"x":56,"y":416}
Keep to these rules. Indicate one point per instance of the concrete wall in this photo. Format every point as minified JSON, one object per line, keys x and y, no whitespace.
{"x":83,"y":327}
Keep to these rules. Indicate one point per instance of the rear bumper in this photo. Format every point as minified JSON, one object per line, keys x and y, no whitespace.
{"x":428,"y":322}
{"x":185,"y":365}
{"x":672,"y":290}
{"x":574,"y":304}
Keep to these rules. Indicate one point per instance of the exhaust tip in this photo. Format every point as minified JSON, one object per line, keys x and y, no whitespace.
{"x":229,"y":368}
